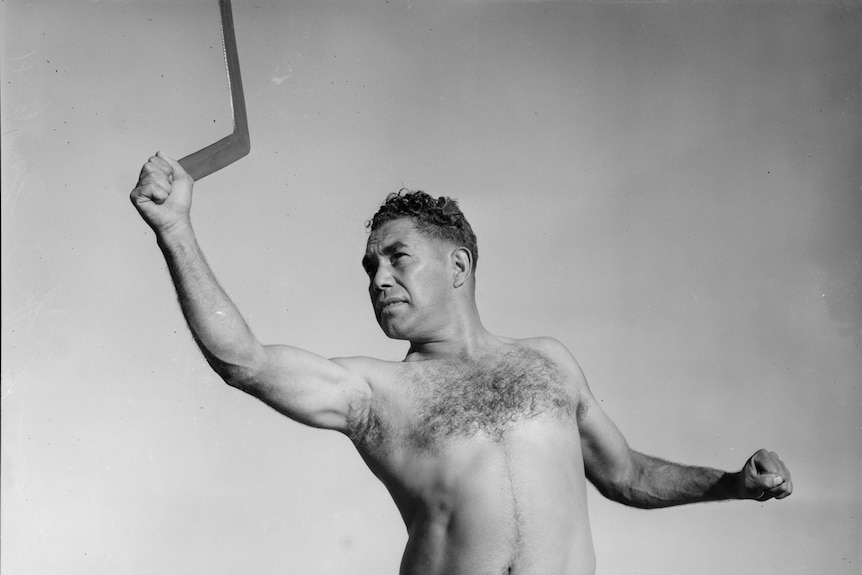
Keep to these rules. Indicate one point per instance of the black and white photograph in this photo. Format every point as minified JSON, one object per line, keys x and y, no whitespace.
{"x":246,"y":328}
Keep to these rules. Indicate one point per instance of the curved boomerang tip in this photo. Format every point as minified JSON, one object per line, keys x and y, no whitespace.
{"x":238,"y":144}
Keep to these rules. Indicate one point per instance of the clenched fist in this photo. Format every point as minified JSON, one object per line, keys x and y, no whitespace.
{"x":765,"y":476}
{"x":163,"y":195}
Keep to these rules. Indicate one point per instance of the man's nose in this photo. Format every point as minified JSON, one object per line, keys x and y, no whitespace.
{"x":382,"y":279}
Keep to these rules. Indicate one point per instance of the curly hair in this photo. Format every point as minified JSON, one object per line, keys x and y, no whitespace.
{"x":439,"y":218}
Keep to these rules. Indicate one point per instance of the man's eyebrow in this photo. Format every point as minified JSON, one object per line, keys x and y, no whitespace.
{"x":368,"y":260}
{"x":393,"y":247}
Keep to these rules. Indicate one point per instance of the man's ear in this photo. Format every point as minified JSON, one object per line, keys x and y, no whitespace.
{"x":462,"y":265}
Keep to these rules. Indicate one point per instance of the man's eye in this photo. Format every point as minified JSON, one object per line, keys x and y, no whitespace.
{"x":398,"y":256}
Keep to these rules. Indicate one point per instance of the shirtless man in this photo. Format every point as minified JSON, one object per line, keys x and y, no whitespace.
{"x":484,"y":442}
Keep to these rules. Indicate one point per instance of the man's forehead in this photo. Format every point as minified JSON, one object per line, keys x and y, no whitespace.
{"x":396,"y":233}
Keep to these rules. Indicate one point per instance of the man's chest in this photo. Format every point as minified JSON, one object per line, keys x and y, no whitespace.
{"x":434,"y":402}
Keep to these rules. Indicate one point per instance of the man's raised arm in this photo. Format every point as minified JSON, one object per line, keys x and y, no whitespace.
{"x":306,"y":387}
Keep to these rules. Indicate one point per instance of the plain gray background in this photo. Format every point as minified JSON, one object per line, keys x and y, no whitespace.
{"x":671,"y":189}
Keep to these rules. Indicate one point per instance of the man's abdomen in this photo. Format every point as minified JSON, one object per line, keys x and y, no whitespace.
{"x":515,"y":505}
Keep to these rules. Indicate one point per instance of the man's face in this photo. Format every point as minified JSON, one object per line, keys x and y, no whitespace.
{"x":410,"y":279}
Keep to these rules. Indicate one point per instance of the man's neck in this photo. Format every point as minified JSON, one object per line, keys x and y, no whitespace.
{"x":467,"y":344}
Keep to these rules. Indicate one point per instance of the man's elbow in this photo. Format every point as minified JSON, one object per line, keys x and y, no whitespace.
{"x":239,"y":369}
{"x":618,"y":483}
{"x":608,"y":484}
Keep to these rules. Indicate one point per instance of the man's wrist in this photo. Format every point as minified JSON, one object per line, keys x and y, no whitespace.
{"x":727,"y":486}
{"x":178,"y":231}
{"x":734,"y":485}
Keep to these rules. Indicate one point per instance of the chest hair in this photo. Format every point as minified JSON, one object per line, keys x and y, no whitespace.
{"x":467,"y":397}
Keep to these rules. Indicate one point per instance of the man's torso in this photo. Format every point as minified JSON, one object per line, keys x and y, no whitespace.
{"x":482,"y":457}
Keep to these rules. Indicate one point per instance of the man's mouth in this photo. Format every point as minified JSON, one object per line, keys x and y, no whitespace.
{"x":390,"y":304}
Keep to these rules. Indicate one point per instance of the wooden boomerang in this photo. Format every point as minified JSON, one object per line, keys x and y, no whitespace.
{"x":236,"y":145}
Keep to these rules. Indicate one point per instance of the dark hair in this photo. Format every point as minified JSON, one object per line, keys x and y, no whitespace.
{"x":439,"y":218}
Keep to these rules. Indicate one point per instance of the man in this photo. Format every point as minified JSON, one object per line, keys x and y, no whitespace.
{"x":484,"y":442}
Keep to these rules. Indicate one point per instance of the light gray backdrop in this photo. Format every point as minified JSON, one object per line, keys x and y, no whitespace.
{"x":671,"y":189}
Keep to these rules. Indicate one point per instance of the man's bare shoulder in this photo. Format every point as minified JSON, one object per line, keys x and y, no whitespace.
{"x":542,"y":343}
{"x":379,"y":376}
{"x":367,"y":367}
{"x":560,"y":355}
{"x":557,"y":352}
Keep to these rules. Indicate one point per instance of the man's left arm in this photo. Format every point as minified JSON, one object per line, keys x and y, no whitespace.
{"x":649,"y":482}
{"x":632,"y":478}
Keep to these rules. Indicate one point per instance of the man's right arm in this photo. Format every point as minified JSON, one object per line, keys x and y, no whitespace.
{"x":304,"y":386}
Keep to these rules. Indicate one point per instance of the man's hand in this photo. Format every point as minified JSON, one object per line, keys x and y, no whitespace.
{"x":764,"y":476}
{"x":163,"y":195}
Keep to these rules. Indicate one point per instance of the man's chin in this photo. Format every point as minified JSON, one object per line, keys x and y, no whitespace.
{"x":392,"y":332}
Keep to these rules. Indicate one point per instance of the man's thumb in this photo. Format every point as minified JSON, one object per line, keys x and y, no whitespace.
{"x":768,"y":480}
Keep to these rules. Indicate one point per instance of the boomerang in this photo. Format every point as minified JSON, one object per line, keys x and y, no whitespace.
{"x":236,"y":145}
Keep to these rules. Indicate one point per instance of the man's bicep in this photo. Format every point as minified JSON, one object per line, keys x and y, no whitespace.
{"x":309,"y":388}
{"x":606,"y":452}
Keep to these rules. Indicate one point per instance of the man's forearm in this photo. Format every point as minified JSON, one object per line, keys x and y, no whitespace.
{"x":215,"y":322}
{"x":651,"y":482}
